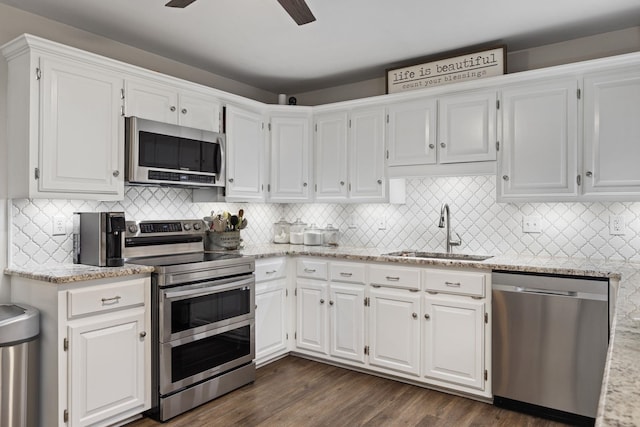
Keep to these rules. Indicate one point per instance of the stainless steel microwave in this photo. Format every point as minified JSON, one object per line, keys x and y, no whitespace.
{"x":165,"y":154}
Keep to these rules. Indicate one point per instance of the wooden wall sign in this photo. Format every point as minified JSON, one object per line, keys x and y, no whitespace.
{"x":471,"y":66}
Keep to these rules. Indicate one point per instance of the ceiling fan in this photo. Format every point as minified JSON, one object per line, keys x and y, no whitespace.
{"x":297,"y":9}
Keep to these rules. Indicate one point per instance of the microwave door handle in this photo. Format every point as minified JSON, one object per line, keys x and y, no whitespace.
{"x":207,"y":289}
{"x":218,"y":158}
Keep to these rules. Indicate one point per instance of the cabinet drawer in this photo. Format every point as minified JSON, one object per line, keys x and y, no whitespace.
{"x":270,"y":269}
{"x":106,"y":297}
{"x":455,"y":282}
{"x":395,"y":277}
{"x":346,"y":272}
{"x":312,"y":269}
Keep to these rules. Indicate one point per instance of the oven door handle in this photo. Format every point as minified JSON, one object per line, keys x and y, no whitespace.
{"x":209,"y":288}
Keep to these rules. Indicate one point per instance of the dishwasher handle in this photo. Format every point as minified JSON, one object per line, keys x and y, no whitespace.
{"x":546,"y":292}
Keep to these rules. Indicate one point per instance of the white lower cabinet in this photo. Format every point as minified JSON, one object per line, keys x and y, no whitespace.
{"x":312,"y":325}
{"x":272,"y":310}
{"x":95,"y":342}
{"x":106,"y":366}
{"x":394,"y":330}
{"x":453,"y":340}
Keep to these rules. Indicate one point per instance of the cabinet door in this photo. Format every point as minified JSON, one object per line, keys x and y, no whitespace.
{"x":467,"y":127}
{"x":612,"y":134}
{"x":151,"y":101}
{"x":331,"y":156}
{"x":106,"y":366}
{"x":199,"y":111}
{"x":412,"y":133}
{"x":290,"y":157}
{"x":394,"y":330}
{"x":453,"y":345}
{"x":346,"y":312}
{"x":245,"y":154}
{"x":271,"y":319}
{"x":312,"y":324}
{"x":82,"y":131}
{"x":539,"y":154}
{"x":367,"y":181}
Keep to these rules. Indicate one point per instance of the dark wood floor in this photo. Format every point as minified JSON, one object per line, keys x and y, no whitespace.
{"x":298,"y":392}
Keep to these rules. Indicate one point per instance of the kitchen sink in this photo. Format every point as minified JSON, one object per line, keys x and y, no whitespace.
{"x":438,"y":255}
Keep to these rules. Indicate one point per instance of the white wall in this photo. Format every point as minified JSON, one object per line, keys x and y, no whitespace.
{"x":582,"y":49}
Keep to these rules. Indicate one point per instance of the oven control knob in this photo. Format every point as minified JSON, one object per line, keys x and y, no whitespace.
{"x":133,"y":228}
{"x":197,"y":226}
{"x":187,"y":226}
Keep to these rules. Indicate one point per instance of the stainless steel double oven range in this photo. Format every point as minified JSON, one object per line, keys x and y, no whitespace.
{"x":203,"y":314}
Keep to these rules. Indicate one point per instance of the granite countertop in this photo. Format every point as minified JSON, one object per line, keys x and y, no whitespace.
{"x":68,"y":273}
{"x":620,"y":391}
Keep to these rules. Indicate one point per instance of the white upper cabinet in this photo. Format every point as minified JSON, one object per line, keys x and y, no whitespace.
{"x":539,"y":153}
{"x":331,"y":156}
{"x":245,"y":154}
{"x":169,"y":104}
{"x":349,"y":155}
{"x":467,"y":127}
{"x":367,"y":181}
{"x":412,"y":132}
{"x":290,"y":147}
{"x":64,"y":125}
{"x":612,"y":134}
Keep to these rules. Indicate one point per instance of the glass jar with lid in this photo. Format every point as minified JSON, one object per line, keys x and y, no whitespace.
{"x":331,"y":235}
{"x":281,"y":231}
{"x":296,"y":232}
{"x":313,"y":236}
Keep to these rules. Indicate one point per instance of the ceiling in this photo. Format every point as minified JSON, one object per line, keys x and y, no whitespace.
{"x":256,"y":42}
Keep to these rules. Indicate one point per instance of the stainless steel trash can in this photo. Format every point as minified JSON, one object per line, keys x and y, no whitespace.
{"x":19,"y":330}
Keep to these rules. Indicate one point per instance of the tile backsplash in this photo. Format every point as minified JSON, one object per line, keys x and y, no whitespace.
{"x":487,"y":227}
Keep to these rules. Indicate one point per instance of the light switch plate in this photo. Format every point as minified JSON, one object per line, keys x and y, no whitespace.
{"x":531,"y":224}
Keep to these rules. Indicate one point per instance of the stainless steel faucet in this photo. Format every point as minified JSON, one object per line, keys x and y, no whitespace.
{"x":444,"y":210}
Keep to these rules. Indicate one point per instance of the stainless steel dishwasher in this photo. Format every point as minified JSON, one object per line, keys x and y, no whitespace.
{"x":550,"y":336}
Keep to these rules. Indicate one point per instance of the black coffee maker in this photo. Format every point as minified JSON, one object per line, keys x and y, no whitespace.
{"x":98,"y":238}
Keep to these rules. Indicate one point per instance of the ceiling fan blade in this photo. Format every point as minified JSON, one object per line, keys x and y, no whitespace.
{"x":179,"y":3}
{"x":298,"y":10}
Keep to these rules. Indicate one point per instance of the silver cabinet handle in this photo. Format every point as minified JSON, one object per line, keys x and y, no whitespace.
{"x":115,"y":299}
{"x":116,"y":173}
{"x":426,"y":316}
{"x":443,"y":145}
{"x":392,"y":278}
{"x":172,"y":108}
{"x":184,"y":111}
{"x":414,"y":315}
{"x":309,"y":270}
{"x":505,"y":177}
{"x":589,"y":174}
{"x":452,"y":284}
{"x":341,"y":182}
{"x":379,"y":181}
{"x":304,"y":184}
{"x":230,"y":179}
{"x":321,"y":301}
{"x":330,"y":302}
{"x":375,"y":286}
{"x":271,"y":272}
{"x":346,"y":274}
{"x":431,"y":146}
{"x":143,"y":334}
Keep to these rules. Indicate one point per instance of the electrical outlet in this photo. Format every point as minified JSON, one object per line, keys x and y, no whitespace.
{"x":531,"y":224}
{"x":59,"y":228}
{"x":351,"y":222}
{"x":616,"y":225}
{"x":382,"y":223}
